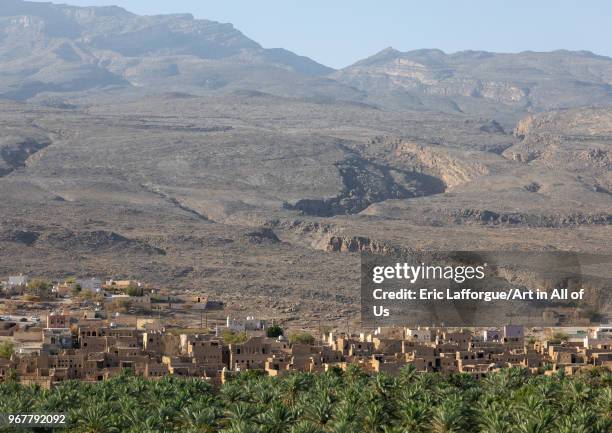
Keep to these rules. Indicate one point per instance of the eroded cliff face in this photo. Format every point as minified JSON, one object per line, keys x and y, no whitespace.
{"x":336,"y":240}
{"x":414,"y":76}
{"x":579,"y":141}
{"x":524,"y":126}
{"x":365,"y":183}
{"x":562,"y":136}
{"x":15,"y":150}
{"x":357,"y":244}
{"x":486,"y":217}
{"x":328,"y":237}
{"x":452,"y":169}
{"x":480,"y":82}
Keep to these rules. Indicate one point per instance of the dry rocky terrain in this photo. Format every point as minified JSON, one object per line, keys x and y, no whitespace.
{"x":206,"y":161}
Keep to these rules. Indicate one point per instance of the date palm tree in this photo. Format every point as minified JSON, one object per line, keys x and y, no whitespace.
{"x":232,"y":392}
{"x":240,"y":412}
{"x":276,"y":419}
{"x":305,"y":426}
{"x":92,"y":419}
{"x":413,"y":416}
{"x":539,"y":421}
{"x":319,"y":409}
{"x":292,"y":386}
{"x":199,"y":419}
{"x":407,"y":374}
{"x":333,"y":402}
{"x":375,"y":417}
{"x":240,"y":427}
{"x":494,"y":419}
{"x":447,"y":418}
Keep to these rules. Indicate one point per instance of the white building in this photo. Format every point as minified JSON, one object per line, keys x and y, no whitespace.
{"x":92,"y":284}
{"x":18,"y":281}
{"x":235,"y":325}
{"x":603,"y":332}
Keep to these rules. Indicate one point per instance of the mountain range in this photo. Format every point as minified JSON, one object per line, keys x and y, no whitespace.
{"x":49,"y":50}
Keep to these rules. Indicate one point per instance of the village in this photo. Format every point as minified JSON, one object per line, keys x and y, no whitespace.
{"x":90,"y":330}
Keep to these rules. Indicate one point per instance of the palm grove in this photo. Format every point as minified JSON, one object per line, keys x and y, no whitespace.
{"x":335,"y":402}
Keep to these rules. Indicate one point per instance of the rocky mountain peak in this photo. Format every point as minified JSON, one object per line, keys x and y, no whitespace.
{"x":48,"y":48}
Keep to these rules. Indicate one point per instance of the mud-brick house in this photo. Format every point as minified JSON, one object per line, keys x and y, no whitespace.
{"x":251,"y":354}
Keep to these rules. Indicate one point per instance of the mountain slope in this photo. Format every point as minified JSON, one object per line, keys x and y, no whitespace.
{"x":477,"y":81}
{"x":57,"y":48}
{"x":49,"y":50}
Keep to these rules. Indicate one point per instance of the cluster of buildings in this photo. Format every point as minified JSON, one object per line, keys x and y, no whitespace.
{"x":70,"y":340}
{"x":66,"y":347}
{"x":15,"y":282}
{"x":18,"y":285}
{"x":127,"y":295}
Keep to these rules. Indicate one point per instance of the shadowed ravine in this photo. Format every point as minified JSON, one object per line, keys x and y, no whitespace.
{"x":366,"y":183}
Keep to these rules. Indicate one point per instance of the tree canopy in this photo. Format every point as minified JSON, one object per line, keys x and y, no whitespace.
{"x":6,"y":349}
{"x":510,"y":401}
{"x":38,"y":286}
{"x":301,"y":337}
{"x":274,"y":331}
{"x":231,"y":337}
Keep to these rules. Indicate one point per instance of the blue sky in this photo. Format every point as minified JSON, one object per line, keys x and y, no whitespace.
{"x":338,"y":33}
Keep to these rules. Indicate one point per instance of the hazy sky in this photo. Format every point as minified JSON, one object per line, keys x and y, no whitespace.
{"x":340,"y":32}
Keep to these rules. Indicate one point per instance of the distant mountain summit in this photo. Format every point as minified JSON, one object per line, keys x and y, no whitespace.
{"x":46,"y":47}
{"x":51,"y":52}
{"x":462,"y":81}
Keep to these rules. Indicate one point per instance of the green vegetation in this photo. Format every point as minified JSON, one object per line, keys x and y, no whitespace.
{"x":39,"y":284}
{"x":231,"y":337}
{"x":559,"y":337}
{"x":86,"y":295}
{"x":76,"y":289}
{"x":161,"y":299}
{"x":121,"y":305}
{"x":274,"y":331}
{"x":134,"y":291}
{"x":6,"y":349}
{"x":302,"y":337}
{"x":332,"y":402}
{"x":39,"y":287}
